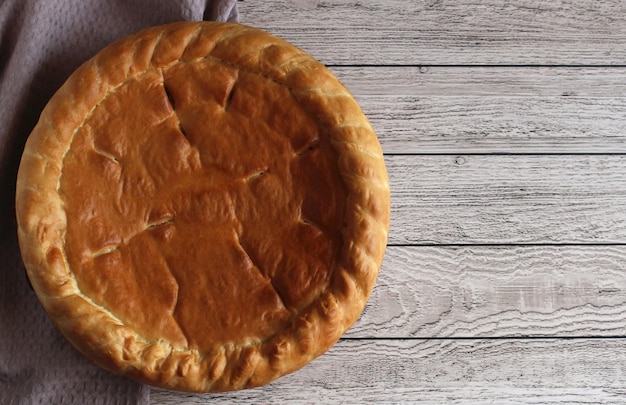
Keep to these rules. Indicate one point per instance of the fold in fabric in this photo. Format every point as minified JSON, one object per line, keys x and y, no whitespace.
{"x":41,"y":43}
{"x":221,"y":11}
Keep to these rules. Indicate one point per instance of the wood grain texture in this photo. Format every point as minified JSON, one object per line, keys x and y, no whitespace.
{"x":476,"y":199}
{"x":502,"y":371}
{"x":492,"y":110}
{"x":468,"y":124}
{"x":497,"y":291}
{"x":484,"y":81}
{"x":448,"y":31}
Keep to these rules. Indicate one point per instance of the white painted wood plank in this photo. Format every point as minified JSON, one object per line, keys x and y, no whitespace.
{"x":504,"y":371}
{"x":535,"y":199}
{"x":469,"y":124}
{"x":495,"y":81}
{"x":493,"y":110}
{"x":448,"y":31}
{"x":497,"y":291}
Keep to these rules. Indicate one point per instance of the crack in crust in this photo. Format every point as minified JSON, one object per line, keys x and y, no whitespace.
{"x":256,"y":175}
{"x":107,"y":155}
{"x":313,"y":224}
{"x":258,"y":269}
{"x":87,"y":325}
{"x":170,"y":97}
{"x":161,"y":222}
{"x":105,"y":250}
{"x":172,"y":102}
{"x":308,"y":148}
{"x":231,"y":93}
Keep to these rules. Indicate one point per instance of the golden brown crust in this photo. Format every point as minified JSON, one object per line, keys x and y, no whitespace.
{"x":163,"y":348}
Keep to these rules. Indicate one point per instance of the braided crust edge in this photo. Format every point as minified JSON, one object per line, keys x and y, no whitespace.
{"x":96,"y":332}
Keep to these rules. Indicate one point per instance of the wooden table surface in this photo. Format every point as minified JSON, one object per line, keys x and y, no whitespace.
{"x":504,"y":127}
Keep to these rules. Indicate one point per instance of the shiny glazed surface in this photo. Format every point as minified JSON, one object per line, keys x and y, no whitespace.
{"x":180,"y":204}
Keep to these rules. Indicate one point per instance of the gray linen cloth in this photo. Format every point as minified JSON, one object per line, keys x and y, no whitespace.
{"x":41,"y":43}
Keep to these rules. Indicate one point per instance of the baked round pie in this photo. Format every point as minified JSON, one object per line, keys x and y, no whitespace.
{"x":202,"y":207}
